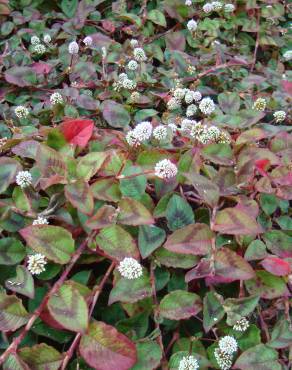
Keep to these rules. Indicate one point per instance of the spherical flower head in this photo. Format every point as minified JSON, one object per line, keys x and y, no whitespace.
{"x":132,"y":65}
{"x":134,"y":43}
{"x":208,"y":8}
{"x":39,"y":49}
{"x":139,"y":55}
{"x":130,"y":268}
{"x":207,"y":106}
{"x":241,"y":325}
{"x":129,"y":84}
{"x":197,"y":96}
{"x":217,"y":5}
{"x":260,"y":104}
{"x":223,"y":138}
{"x":192,"y":25}
{"x":165,"y":169}
{"x":87,"y":41}
{"x":228,"y":344}
{"x":189,"y":97}
{"x":173,"y":127}
{"x":21,"y":111}
{"x":143,"y":130}
{"x":188,"y":363}
{"x":160,"y":132}
{"x":135,"y":97}
{"x":229,"y":8}
{"x":188,"y":2}
{"x":73,"y":48}
{"x":224,"y":360}
{"x":36,"y":263}
{"x":23,"y":179}
{"x":35,"y":40}
{"x":47,"y":38}
{"x":279,"y":116}
{"x":132,"y":139}
{"x":40,"y":221}
{"x":179,"y":93}
{"x":173,"y":104}
{"x":56,"y":98}
{"x":287,"y":55}
{"x":191,"y":110}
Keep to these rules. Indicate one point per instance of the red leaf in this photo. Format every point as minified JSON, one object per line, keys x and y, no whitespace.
{"x":262,"y":165}
{"x":77,"y":131}
{"x":276,"y":266}
{"x":41,"y":68}
{"x":287,"y":86}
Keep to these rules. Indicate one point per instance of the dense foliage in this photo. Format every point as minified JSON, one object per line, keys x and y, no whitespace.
{"x":145,"y":179}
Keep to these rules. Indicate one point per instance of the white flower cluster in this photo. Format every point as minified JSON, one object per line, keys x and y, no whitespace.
{"x":228,"y":344}
{"x":134,"y":43}
{"x":165,"y":169}
{"x":217,"y":5}
{"x":36,"y":263}
{"x":130,"y":268}
{"x":188,"y":2}
{"x":192,"y":25}
{"x":188,"y":363}
{"x":287,"y":55}
{"x":203,"y":133}
{"x":56,"y":98}
{"x":35,"y":40}
{"x":139,"y":55}
{"x":87,"y":41}
{"x":21,"y":111}
{"x":241,"y":325}
{"x":140,"y":133}
{"x":180,"y":95}
{"x":208,"y":8}
{"x":134,"y":97}
{"x":47,"y":38}
{"x":132,"y":65}
{"x":73,"y":48}
{"x":124,"y":82}
{"x":279,"y":116}
{"x":3,"y":141}
{"x":191,"y":110}
{"x":207,"y":106}
{"x":39,"y":49}
{"x":40,"y":221}
{"x":260,"y":104}
{"x":160,"y":132}
{"x":223,"y":359}
{"x":23,"y":179}
{"x":173,"y":127}
{"x":229,"y":8}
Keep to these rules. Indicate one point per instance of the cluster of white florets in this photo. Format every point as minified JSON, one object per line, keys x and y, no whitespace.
{"x":140,"y":133}
{"x":88,"y":41}
{"x":165,"y":169}
{"x":47,"y":38}
{"x":23,"y":179}
{"x":38,"y":48}
{"x":224,"y":360}
{"x":40,"y":221}
{"x":207,"y":106}
{"x":241,"y":325}
{"x":187,"y":96}
{"x":56,"y":98}
{"x":191,"y":110}
{"x":192,"y":25}
{"x":287,"y":55}
{"x":134,"y":97}
{"x":160,"y":132}
{"x":124,"y":82}
{"x":139,"y":55}
{"x":279,"y":116}
{"x":229,"y":8}
{"x":217,"y":6}
{"x":134,"y":43}
{"x":224,"y":353}
{"x":35,"y":40}
{"x":188,"y":363}
{"x":203,"y":133}
{"x":21,"y":111}
{"x":73,"y":48}
{"x":36,"y":263}
{"x":3,"y":141}
{"x":130,"y":268}
{"x":260,"y":104}
{"x":132,"y":65}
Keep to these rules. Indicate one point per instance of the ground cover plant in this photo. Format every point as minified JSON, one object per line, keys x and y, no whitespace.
{"x":145,"y":180}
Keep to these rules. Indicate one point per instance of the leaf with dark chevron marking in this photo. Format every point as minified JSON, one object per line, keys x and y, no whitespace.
{"x":23,"y":282}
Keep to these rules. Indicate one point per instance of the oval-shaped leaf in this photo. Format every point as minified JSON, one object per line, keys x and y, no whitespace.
{"x":178,"y":213}
{"x":115,"y":114}
{"x":80,"y":196}
{"x":41,"y":357}
{"x":132,"y":212}
{"x":23,"y":282}
{"x":9,"y":168}
{"x":258,"y":358}
{"x":12,"y":313}
{"x":12,"y":251}
{"x":150,"y":238}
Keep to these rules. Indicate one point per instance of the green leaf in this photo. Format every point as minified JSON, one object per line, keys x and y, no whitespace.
{"x":23,"y":282}
{"x":178,"y":213}
{"x":9,"y":169}
{"x":104,"y":348}
{"x":41,"y":357}
{"x":213,"y":310}
{"x":266,"y":285}
{"x":143,"y":114}
{"x":150,"y":238}
{"x":69,"y":7}
{"x":193,"y":239}
{"x":149,"y":356}
{"x":177,"y":260}
{"x":236,"y":221}
{"x":80,"y":196}
{"x":236,"y":308}
{"x":179,"y":305}
{"x":13,"y":362}
{"x":115,"y":114}
{"x":229,"y":102}
{"x":89,"y":165}
{"x":207,"y":190}
{"x":258,"y":358}
{"x":279,"y":243}
{"x":12,"y":251}
{"x":132,"y":212}
{"x":69,"y":309}
{"x":130,"y":291}
{"x":135,"y":326}
{"x":135,"y":186}
{"x":157,"y":17}
{"x":21,"y":199}
{"x":250,"y":338}
{"x":256,"y":251}
{"x":218,"y":154}
{"x":231,"y":265}
{"x":117,"y":243}
{"x":269,"y":203}
{"x":12,"y":313}
{"x":106,"y":189}
{"x":281,"y":335}
{"x":54,"y":242}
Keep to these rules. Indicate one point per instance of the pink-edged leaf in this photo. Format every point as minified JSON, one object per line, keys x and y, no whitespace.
{"x":12,"y":313}
{"x":20,"y":76}
{"x":26,"y":149}
{"x":9,"y":168}
{"x":179,"y":305}
{"x":77,"y":131}
{"x":42,"y":68}
{"x":105,"y":216}
{"x":80,"y":196}
{"x":262,"y":165}
{"x":104,"y":348}
{"x":203,"y":269}
{"x":276,"y":266}
{"x":133,"y":212}
{"x":193,"y":239}
{"x":236,"y":221}
{"x":229,"y":264}
{"x":41,"y":357}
